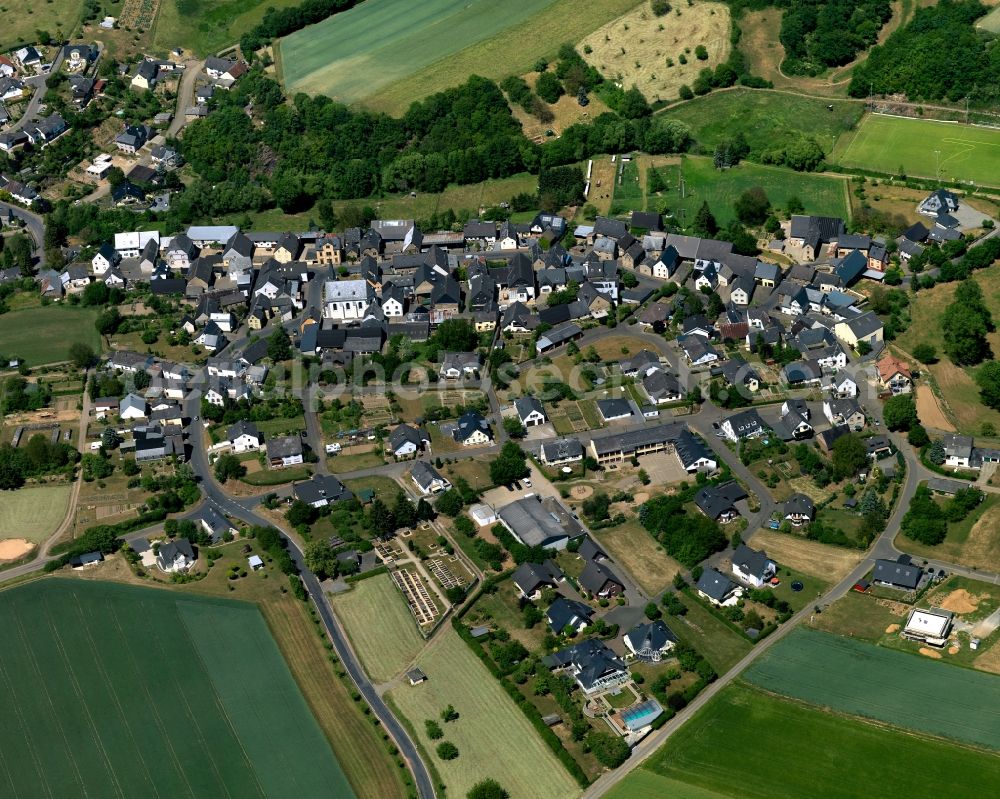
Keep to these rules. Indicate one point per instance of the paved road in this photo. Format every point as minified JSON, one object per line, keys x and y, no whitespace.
{"x":217,"y":496}
{"x":37,"y":82}
{"x":35,"y":226}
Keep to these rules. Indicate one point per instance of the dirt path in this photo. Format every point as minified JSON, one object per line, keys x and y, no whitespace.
{"x":930,"y":412}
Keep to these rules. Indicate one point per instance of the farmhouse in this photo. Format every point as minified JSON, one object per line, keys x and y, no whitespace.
{"x":594,"y":667}
{"x":752,"y":566}
{"x":898,"y":573}
{"x":650,"y":642}
{"x":536,"y":521}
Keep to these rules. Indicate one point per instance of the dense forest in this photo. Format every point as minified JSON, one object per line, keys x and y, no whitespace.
{"x":939,"y":55}
{"x":818,"y":34}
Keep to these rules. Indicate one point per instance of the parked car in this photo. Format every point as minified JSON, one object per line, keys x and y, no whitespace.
{"x":774,"y":524}
{"x":527,"y":482}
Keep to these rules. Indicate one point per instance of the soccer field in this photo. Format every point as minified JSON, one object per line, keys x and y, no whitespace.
{"x":350,"y":55}
{"x":751,"y":745}
{"x":116,"y":691}
{"x":922,"y":148}
{"x":894,"y":687}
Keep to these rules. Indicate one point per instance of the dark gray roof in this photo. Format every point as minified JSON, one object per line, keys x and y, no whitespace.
{"x":242,"y":428}
{"x":592,"y":660}
{"x":528,"y":405}
{"x":424,"y":474}
{"x":716,"y":500}
{"x":650,"y":637}
{"x":751,"y":561}
{"x":284,"y":447}
{"x":468,"y":424}
{"x":590,"y":550}
{"x":596,"y":575}
{"x":798,"y":504}
{"x":903,"y":575}
{"x":715,"y":585}
{"x":614,"y":408}
{"x":320,"y":487}
{"x":561,"y":449}
{"x":528,"y":577}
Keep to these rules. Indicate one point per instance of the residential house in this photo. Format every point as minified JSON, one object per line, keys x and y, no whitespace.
{"x":650,"y":642}
{"x":809,"y":234}
{"x":561,"y":451}
{"x":600,"y":582}
{"x":428,"y":479}
{"x":132,"y":138}
{"x":472,"y":430}
{"x":455,"y":365}
{"x":698,"y":351}
{"x":406,"y":441}
{"x":718,"y":589}
{"x":594,"y":667}
{"x":753,"y":566}
{"x":347,"y":300}
{"x":105,"y":258}
{"x":900,"y":573}
{"x":767,"y":275}
{"x":641,"y":364}
{"x":321,"y":490}
{"x":175,"y":556}
{"x":743,"y":425}
{"x":894,"y":375}
{"x":145,"y":75}
{"x":614,"y":409}
{"x":718,"y":502}
{"x":538,"y":521}
{"x":132,"y":406}
{"x":957,"y":450}
{"x":866,"y":327}
{"x":662,"y":387}
{"x":215,"y":525}
{"x":938,"y":202}
{"x":531,"y":578}
{"x":284,"y":451}
{"x":798,"y":509}
{"x":243,"y":437}
{"x":568,"y":614}
{"x":530,"y":411}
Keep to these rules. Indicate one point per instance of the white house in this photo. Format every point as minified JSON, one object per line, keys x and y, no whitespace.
{"x":132,"y":406}
{"x":752,"y":566}
{"x":175,"y":556}
{"x":746,"y":424}
{"x":243,"y":437}
{"x":718,"y":589}
{"x":406,"y":441}
{"x":426,"y":478}
{"x":284,"y":451}
{"x":131,"y":245}
{"x":530,"y":411}
{"x":105,"y":258}
{"x":346,"y":299}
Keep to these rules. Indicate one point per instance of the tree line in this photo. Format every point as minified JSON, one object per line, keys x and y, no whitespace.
{"x":818,"y":34}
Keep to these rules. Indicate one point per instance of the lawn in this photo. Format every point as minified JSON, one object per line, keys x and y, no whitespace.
{"x":957,"y":389}
{"x":33,"y":513}
{"x":23,"y":17}
{"x":631,"y":545}
{"x":765,"y":117}
{"x":385,"y":648}
{"x":972,"y":542}
{"x":277,"y":477}
{"x":87,"y":666}
{"x":890,"y":144}
{"x":882,"y":684}
{"x":206,"y":26}
{"x":351,"y":55}
{"x":345,"y":462}
{"x":488,"y":49}
{"x":716,"y":641}
{"x":43,"y":334}
{"x":493,"y":737}
{"x":385,"y":488}
{"x":811,"y":557}
{"x":820,"y":194}
{"x":821,"y":754}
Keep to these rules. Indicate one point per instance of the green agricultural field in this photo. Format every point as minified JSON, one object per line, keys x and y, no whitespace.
{"x":388,"y":647}
{"x":821,"y":754}
{"x":351,"y":55}
{"x":765,"y":117}
{"x":21,"y":18}
{"x":43,"y":334}
{"x":207,"y":26}
{"x":113,"y":690}
{"x":33,"y":513}
{"x":820,"y":194}
{"x":883,"y":684}
{"x":923,"y":148}
{"x":410,"y":63}
{"x":493,"y":737}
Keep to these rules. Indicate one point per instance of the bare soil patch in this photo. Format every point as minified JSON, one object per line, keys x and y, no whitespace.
{"x":892,"y":628}
{"x":581,"y":492}
{"x":634,"y":49}
{"x":819,"y":560}
{"x":566,"y":111}
{"x":14,"y":549}
{"x":989,"y":660}
{"x":639,"y":498}
{"x":930,"y":412}
{"x":960,"y":602}
{"x":954,"y":649}
{"x":931,"y":653}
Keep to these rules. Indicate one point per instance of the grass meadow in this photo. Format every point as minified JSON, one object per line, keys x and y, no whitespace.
{"x":820,"y":194}
{"x":787,"y":750}
{"x":23,"y":17}
{"x":114,"y":690}
{"x":34,"y":512}
{"x":388,"y":646}
{"x":480,"y":38}
{"x":882,"y":684}
{"x":207,"y":26}
{"x":43,"y":334}
{"x":493,"y":737}
{"x":351,"y":55}
{"x":765,"y":117}
{"x":923,"y":148}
